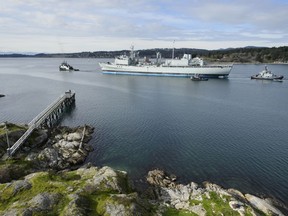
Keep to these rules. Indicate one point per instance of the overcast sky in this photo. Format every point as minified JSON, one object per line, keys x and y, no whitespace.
{"x":94,"y":25}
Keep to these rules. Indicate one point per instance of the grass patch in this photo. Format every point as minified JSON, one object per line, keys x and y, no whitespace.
{"x":42,"y":182}
{"x":249,"y":210}
{"x":14,"y":170}
{"x":175,"y":212}
{"x":12,"y":127}
{"x":6,"y":193}
{"x":217,"y":206}
{"x":60,"y":183}
{"x":2,"y":186}
{"x":70,"y":176}
{"x":48,"y":182}
{"x":16,"y":162}
{"x":195,"y":202}
{"x":97,"y":203}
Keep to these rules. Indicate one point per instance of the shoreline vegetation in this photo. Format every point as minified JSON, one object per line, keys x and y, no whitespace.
{"x":250,"y":54}
{"x":48,"y":176}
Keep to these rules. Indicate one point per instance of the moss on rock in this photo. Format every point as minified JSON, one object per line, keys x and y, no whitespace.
{"x":67,"y":193}
{"x":14,"y":169}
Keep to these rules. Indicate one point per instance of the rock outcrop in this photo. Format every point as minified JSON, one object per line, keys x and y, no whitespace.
{"x":66,"y":147}
{"x":211,"y":199}
{"x":91,"y":190}
{"x":41,"y":181}
{"x":262,"y":205}
{"x":59,"y":149}
{"x":85,"y":191}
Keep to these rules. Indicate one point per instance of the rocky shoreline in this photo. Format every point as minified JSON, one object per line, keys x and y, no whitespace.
{"x":209,"y":199}
{"x":46,"y":176}
{"x":67,"y":147}
{"x":57,"y":149}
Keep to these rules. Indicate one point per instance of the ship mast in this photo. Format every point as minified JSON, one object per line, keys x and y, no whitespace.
{"x":173,"y":50}
{"x":132,"y":56}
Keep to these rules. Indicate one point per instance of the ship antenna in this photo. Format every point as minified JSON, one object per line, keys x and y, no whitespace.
{"x":132,"y":52}
{"x":173,"y":50}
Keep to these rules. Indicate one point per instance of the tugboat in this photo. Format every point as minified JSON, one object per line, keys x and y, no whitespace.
{"x":196,"y":77}
{"x":66,"y":67}
{"x":267,"y":75}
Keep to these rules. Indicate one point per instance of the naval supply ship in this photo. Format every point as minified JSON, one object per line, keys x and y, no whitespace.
{"x":185,"y":67}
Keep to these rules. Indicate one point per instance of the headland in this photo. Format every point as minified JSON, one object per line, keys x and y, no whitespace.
{"x":49,"y":174}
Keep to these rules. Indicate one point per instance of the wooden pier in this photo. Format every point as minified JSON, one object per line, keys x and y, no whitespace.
{"x":47,"y":118}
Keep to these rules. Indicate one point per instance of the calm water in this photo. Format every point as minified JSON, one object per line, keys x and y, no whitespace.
{"x":232,"y":132}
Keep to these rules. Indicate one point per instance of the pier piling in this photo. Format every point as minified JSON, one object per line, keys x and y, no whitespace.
{"x":47,"y":118}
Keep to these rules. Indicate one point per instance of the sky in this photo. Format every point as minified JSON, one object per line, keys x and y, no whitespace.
{"x":63,"y":26}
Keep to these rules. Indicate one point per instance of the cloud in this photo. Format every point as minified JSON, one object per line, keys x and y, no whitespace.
{"x":92,"y":24}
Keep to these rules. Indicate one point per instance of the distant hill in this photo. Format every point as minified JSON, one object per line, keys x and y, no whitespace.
{"x":249,"y":54}
{"x":18,"y":53}
{"x":14,"y":55}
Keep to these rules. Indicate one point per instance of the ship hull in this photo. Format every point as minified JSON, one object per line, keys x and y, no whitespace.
{"x":267,"y":78}
{"x":209,"y":71}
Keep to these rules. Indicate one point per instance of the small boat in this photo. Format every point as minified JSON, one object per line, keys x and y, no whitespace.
{"x":2,"y":95}
{"x":196,"y":77}
{"x":66,"y":67}
{"x":267,"y":75}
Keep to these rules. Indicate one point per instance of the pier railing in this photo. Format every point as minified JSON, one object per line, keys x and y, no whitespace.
{"x":46,"y":117}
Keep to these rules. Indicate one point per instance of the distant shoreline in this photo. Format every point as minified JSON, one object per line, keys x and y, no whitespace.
{"x":211,"y":61}
{"x":258,"y":55}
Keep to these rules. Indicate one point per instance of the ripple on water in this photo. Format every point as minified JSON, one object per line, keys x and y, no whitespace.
{"x":232,"y":132}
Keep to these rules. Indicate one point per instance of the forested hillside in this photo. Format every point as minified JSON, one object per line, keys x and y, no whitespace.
{"x":251,"y":55}
{"x":236,"y":55}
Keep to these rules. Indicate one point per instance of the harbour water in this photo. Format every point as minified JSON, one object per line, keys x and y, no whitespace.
{"x":232,"y":132}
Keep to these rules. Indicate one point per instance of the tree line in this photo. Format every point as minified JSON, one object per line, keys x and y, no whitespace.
{"x":237,"y":55}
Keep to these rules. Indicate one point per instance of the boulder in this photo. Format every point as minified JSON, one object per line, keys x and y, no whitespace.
{"x":198,"y":210}
{"x":263,"y":205}
{"x":42,"y":136}
{"x":66,"y":144}
{"x":108,"y":180}
{"x":122,"y":205}
{"x":236,"y":193}
{"x":44,"y":202}
{"x":180,"y":194}
{"x":76,"y":158}
{"x":72,"y":136}
{"x":210,"y":187}
{"x":160,"y":178}
{"x":10,"y":212}
{"x":48,"y":157}
{"x":59,"y":137}
{"x":237,"y":206}
{"x":78,"y":206}
{"x":20,"y":185}
{"x":196,"y":192}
